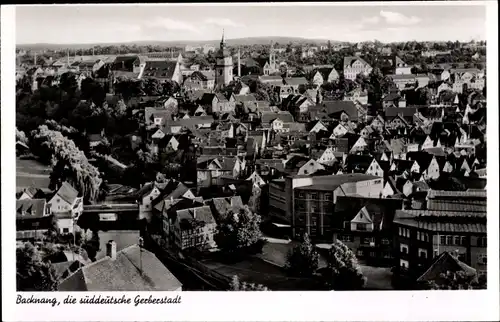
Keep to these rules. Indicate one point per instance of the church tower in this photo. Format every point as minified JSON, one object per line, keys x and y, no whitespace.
{"x":224,"y":65}
{"x":272,"y":58}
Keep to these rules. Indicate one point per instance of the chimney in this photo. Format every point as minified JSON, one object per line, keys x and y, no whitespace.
{"x":111,"y":249}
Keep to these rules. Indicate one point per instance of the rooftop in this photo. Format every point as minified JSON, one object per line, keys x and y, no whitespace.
{"x":134,"y":269}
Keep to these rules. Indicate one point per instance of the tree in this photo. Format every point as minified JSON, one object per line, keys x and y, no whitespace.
{"x":68,"y":83}
{"x":455,"y":281}
{"x":236,"y":285}
{"x":69,"y":163}
{"x":32,"y":274}
{"x":153,"y":87}
{"x":343,"y":271}
{"x":239,"y":232}
{"x":170,"y":87}
{"x":303,"y":259}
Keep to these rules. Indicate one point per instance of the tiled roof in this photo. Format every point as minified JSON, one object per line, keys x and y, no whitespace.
{"x":456,"y":194}
{"x":159,"y":69}
{"x":30,"y":208}
{"x":349,"y":60}
{"x":341,"y":106}
{"x":443,"y":221}
{"x":134,"y":269}
{"x":404,"y":111}
{"x":67,"y":192}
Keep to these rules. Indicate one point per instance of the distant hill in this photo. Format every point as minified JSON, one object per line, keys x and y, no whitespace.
{"x":180,"y":43}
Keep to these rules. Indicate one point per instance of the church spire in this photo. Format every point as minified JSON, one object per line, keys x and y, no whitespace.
{"x":222,"y":41}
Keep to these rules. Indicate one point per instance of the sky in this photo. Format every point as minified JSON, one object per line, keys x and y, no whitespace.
{"x":127,"y":23}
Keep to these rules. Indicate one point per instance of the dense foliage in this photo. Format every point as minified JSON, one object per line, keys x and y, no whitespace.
{"x":32,"y":274}
{"x":236,"y":285}
{"x":239,"y":231}
{"x":303,"y":259}
{"x":342,"y":271}
{"x":69,"y":163}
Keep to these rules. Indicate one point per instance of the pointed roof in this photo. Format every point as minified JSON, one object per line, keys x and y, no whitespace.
{"x":446,"y":262}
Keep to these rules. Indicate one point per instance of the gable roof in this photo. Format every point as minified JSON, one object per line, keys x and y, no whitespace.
{"x":349,"y":60}
{"x":445,"y":263}
{"x":348,"y":107}
{"x":67,"y":192}
{"x":134,"y":269}
{"x":30,"y":208}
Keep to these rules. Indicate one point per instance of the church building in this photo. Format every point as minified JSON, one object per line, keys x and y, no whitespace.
{"x":224,"y":65}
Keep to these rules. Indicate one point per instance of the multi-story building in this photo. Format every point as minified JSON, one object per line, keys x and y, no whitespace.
{"x":365,"y":226}
{"x":189,"y":228}
{"x":307,"y":202}
{"x":354,"y":66}
{"x":458,"y":227}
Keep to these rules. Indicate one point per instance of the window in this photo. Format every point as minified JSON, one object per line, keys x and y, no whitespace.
{"x":385,"y":241}
{"x":301,"y":194}
{"x":346,"y":238}
{"x":386,"y":255}
{"x":456,"y":240}
{"x":314,"y":196}
{"x":361,"y":227}
{"x":422,"y":253}
{"x":367,"y":240}
{"x":347,"y":224}
{"x":403,"y":248}
{"x":419,"y":235}
{"x":442,"y":240}
{"x":65,"y":230}
{"x":360,"y":253}
{"x":328,"y":196}
{"x":314,"y":221}
{"x":313,"y":209}
{"x":373,"y":254}
{"x":449,"y":240}
{"x":481,"y":242}
{"x":482,"y":259}
{"x":403,"y":264}
{"x":463,"y":241}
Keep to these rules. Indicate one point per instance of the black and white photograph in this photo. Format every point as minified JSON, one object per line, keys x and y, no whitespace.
{"x":277,"y":147}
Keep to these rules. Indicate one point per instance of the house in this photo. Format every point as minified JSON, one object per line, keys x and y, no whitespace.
{"x":318,"y":127}
{"x":425,"y":234}
{"x":216,"y":103}
{"x":211,"y":168}
{"x":327,"y":157}
{"x":322,"y":75}
{"x":403,"y":81}
{"x":357,"y":95}
{"x":402,"y":68}
{"x":355,"y":65}
{"x":33,"y":218}
{"x":309,"y":167}
{"x":66,"y":199}
{"x":200,"y":80}
{"x":375,"y":169}
{"x":390,"y":188}
{"x":157,"y":117}
{"x":131,"y":66}
{"x":186,"y":228}
{"x":145,"y":196}
{"x":360,"y":145}
{"x":307,"y":217}
{"x":31,"y":193}
{"x":132,"y":269}
{"x":364,"y":225}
